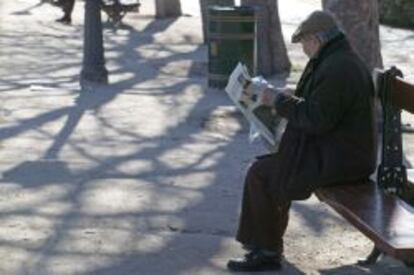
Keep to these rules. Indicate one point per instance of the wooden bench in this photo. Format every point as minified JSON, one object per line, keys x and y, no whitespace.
{"x":383,"y":210}
{"x":117,"y":9}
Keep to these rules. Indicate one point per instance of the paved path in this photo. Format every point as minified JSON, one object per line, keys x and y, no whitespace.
{"x":142,"y":176}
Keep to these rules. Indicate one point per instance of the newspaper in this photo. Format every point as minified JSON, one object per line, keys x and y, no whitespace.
{"x":245,"y":93}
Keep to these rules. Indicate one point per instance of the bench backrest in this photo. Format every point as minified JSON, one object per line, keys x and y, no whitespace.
{"x":395,"y":95}
{"x":402,"y":95}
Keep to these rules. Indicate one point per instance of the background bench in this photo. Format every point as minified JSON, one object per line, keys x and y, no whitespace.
{"x":383,"y":210}
{"x":117,"y":9}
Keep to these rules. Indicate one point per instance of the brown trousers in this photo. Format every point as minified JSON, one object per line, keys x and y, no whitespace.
{"x":264,"y":217}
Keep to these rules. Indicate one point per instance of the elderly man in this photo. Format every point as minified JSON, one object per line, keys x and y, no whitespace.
{"x":329,"y":140}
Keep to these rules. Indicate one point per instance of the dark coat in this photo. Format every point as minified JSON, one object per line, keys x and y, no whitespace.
{"x":330,"y":136}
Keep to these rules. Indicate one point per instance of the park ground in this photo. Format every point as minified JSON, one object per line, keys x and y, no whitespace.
{"x":144,"y":175}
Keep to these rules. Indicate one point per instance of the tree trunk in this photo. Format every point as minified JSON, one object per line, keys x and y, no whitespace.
{"x":93,"y":65}
{"x":397,"y":13}
{"x":272,"y":54}
{"x":360,"y":21}
{"x":204,"y":13}
{"x":167,"y":8}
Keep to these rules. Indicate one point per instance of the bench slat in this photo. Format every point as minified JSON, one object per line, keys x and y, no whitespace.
{"x":383,"y":218}
{"x":402,"y":95}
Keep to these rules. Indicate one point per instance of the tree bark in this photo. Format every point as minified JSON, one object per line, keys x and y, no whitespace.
{"x":204,"y":13}
{"x":397,"y":13}
{"x":167,"y":8}
{"x":272,"y":53}
{"x":359,"y":19}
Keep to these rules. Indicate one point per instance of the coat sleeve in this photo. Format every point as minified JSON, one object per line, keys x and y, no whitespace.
{"x":323,"y":108}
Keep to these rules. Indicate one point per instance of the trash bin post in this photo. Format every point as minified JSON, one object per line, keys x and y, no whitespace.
{"x":232,"y":38}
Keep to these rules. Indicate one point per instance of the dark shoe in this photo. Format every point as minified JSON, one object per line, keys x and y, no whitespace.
{"x":254,"y":261}
{"x":65,"y":20}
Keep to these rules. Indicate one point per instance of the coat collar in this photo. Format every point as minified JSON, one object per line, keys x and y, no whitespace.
{"x":338,"y":43}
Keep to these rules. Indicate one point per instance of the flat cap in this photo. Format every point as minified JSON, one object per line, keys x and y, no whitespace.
{"x":317,"y":22}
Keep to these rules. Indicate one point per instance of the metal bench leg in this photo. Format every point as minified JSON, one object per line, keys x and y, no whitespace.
{"x":409,"y":264}
{"x":372,"y":257}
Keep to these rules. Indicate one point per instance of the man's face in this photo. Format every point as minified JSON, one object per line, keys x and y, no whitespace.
{"x":310,"y":45}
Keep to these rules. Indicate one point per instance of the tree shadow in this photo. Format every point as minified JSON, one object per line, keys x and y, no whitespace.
{"x":39,"y":172}
{"x":85,"y":101}
{"x":199,"y":181}
{"x":51,"y":169}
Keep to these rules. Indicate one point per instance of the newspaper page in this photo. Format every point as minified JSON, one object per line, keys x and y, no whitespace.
{"x":245,"y":92}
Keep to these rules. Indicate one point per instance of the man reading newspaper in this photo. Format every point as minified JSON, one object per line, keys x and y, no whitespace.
{"x":329,"y":139}
{"x":245,"y":92}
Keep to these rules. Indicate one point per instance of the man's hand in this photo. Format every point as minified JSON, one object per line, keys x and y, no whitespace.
{"x":268,"y":97}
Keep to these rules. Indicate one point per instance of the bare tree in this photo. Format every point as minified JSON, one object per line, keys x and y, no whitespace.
{"x":397,"y":13}
{"x":204,"y":12}
{"x":272,"y":53}
{"x":360,"y":21}
{"x":167,"y":8}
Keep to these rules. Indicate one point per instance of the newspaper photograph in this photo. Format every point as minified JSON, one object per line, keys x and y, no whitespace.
{"x":245,"y":91}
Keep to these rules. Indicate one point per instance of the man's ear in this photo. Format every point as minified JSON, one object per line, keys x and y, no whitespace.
{"x":320,"y":37}
{"x":317,"y":41}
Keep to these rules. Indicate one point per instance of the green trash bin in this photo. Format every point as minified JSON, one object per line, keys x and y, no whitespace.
{"x":232,"y":38}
